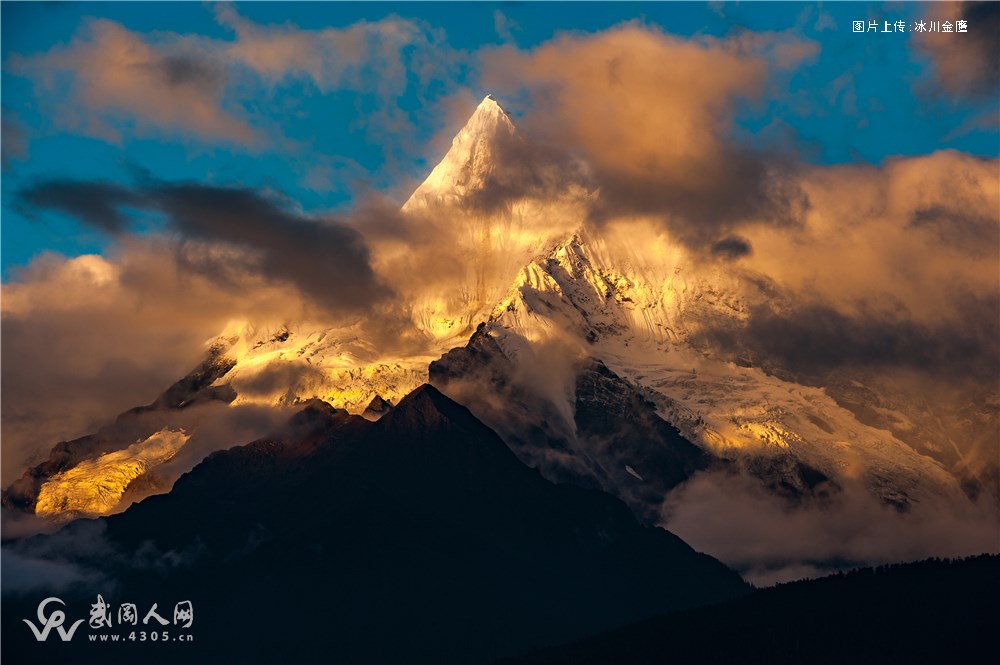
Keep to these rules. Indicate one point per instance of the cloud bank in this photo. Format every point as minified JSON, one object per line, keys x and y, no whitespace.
{"x":659,"y":138}
{"x":734,"y":519}
{"x":109,"y":80}
{"x":324,"y":259}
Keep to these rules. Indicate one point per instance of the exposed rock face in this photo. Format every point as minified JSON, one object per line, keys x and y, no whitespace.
{"x":613,"y":439}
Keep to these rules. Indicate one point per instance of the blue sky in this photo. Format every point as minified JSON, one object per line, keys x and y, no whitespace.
{"x":321,"y":143}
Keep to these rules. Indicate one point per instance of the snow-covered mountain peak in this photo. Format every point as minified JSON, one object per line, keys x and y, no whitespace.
{"x":598,"y":288}
{"x":489,"y":108}
{"x":488,"y":202}
{"x":470,"y":161}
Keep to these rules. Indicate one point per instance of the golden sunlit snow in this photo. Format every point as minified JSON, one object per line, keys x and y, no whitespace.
{"x":95,"y":487}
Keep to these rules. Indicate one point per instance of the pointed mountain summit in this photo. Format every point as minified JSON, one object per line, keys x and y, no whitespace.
{"x":470,"y":161}
{"x":377,"y":408}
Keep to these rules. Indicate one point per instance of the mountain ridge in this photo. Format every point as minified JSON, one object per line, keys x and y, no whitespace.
{"x":419,"y":537}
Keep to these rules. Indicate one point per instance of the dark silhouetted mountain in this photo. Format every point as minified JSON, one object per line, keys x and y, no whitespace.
{"x":417,"y":538}
{"x":377,"y":408}
{"x":933,"y":611}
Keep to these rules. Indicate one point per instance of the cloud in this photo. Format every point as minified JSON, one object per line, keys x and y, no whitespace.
{"x":14,"y":143}
{"x":504,"y":26}
{"x":288,"y":377}
{"x":914,"y":237}
{"x":824,"y":21}
{"x":108,"y":75}
{"x":86,"y":338}
{"x":659,"y":139}
{"x":110,"y":81}
{"x":79,"y":556}
{"x":888,"y":296}
{"x":57,"y":562}
{"x":356,"y":57}
{"x":323,"y":258}
{"x":732,"y":247}
{"x":988,"y":121}
{"x":812,"y":340}
{"x":380,"y":61}
{"x":23,"y":574}
{"x":98,"y":204}
{"x":733,"y":518}
{"x":966,"y":64}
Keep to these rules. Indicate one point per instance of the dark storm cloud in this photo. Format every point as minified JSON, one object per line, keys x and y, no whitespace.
{"x":811,"y":341}
{"x":325,"y":259}
{"x":178,"y":71}
{"x":732,"y":247}
{"x":712,"y":198}
{"x":97,"y":204}
{"x":969,"y":232}
{"x":966,"y":64}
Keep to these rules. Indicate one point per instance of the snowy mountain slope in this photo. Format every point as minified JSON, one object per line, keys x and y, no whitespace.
{"x":294,"y":364}
{"x":469,"y":163}
{"x":481,"y":239}
{"x":96,"y":487}
{"x":578,"y":302}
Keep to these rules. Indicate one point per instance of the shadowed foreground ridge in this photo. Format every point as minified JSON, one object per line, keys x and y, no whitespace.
{"x":932,"y":611}
{"x":416,"y":538}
